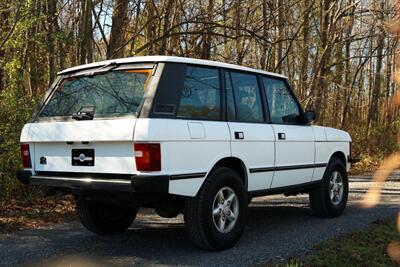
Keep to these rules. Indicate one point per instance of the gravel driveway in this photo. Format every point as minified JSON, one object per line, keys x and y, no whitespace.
{"x":278,"y":227}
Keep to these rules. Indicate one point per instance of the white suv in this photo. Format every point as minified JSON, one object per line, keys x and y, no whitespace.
{"x":184,"y":136}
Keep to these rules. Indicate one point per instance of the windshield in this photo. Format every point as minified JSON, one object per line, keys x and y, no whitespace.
{"x":111,"y":93}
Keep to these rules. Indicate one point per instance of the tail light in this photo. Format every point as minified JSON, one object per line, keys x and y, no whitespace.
{"x":25,"y":156}
{"x":148,"y":157}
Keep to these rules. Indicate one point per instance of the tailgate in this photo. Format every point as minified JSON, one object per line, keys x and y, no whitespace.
{"x":95,"y":146}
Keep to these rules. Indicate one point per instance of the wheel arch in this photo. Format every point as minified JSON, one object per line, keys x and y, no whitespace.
{"x":340,"y":155}
{"x":235,"y":164}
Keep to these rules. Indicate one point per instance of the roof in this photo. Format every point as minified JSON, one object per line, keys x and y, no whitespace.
{"x":147,"y":59}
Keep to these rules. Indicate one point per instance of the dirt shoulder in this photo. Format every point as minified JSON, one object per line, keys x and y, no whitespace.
{"x":37,"y":213}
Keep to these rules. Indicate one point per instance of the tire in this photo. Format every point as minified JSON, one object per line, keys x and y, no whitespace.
{"x":104,"y":219}
{"x":203,"y":228}
{"x":320,"y":198}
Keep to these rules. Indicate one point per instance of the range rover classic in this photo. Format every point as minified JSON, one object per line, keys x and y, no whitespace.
{"x":180,"y":135}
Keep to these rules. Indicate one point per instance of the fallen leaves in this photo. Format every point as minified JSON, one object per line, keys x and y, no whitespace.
{"x":37,"y":213}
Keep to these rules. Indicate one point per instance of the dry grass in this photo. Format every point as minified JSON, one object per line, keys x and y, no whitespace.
{"x":363,"y":248}
{"x":366,"y":164}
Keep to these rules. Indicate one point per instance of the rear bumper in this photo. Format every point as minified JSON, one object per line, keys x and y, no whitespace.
{"x":353,"y":160}
{"x":135,"y":183}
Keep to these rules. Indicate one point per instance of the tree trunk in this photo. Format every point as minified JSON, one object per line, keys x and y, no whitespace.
{"x":206,"y":49}
{"x":306,"y":52}
{"x":280,"y":25}
{"x":166,"y":24}
{"x":119,"y":23}
{"x":4,"y":27}
{"x":238,"y":39}
{"x":86,"y":38}
{"x":373,"y":114}
{"x":347,"y":71}
{"x":264,"y":47}
{"x":51,"y":21}
{"x":150,"y":31}
{"x":319,"y":81}
{"x":338,"y":81}
{"x":174,"y":44}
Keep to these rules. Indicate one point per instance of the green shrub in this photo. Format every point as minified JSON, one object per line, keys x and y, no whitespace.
{"x":15,"y":111}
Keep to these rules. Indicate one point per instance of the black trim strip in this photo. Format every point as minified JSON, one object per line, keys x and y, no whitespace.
{"x":86,"y":175}
{"x":320,"y":165}
{"x":150,"y":184}
{"x":286,"y":168}
{"x":267,"y":169}
{"x":298,"y":188}
{"x":187,"y":176}
{"x":113,"y":175}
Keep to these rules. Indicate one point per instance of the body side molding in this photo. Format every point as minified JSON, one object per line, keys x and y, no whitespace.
{"x":187,"y":176}
{"x":285,"y":168}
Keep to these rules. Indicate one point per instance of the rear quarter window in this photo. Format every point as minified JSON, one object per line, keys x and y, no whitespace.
{"x":200,"y":97}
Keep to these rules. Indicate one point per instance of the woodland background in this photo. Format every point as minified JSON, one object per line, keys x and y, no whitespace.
{"x":339,"y":56}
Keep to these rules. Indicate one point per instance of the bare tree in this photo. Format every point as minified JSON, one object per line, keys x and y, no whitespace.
{"x":86,"y":37}
{"x":119,"y":23}
{"x":373,"y":114}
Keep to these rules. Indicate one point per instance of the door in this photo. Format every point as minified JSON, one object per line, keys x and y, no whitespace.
{"x":294,"y":145}
{"x":252,"y":139}
{"x":196,"y":138}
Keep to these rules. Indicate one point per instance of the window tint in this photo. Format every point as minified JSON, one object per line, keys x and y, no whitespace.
{"x":247,"y":97}
{"x":282,"y":106}
{"x":111,"y":93}
{"x":200,"y":98}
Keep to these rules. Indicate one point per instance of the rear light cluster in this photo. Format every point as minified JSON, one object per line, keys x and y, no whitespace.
{"x":147,"y":157}
{"x":25,"y":156}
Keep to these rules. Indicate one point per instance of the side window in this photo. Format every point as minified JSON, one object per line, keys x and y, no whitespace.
{"x":247,"y":97}
{"x":200,"y":97}
{"x":282,"y":106}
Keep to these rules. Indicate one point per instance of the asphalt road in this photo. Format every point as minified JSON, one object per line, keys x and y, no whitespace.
{"x":278,"y":227}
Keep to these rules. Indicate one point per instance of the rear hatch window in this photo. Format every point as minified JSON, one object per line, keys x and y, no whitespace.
{"x":113,"y":93}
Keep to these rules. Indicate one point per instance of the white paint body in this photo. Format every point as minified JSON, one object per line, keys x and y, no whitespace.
{"x":189,"y":146}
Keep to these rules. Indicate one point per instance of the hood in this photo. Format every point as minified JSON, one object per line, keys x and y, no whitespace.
{"x":333,"y":134}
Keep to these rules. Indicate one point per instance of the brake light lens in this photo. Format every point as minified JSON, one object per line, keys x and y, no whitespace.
{"x":148,"y":157}
{"x":25,"y":156}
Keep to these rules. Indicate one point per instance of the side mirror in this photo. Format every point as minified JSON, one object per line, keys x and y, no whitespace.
{"x":309,"y":116}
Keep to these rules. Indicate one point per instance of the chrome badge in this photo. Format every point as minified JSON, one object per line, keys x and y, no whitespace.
{"x":83,"y":158}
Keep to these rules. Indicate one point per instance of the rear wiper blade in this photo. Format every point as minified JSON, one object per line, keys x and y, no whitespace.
{"x":106,"y":68}
{"x":102,"y":70}
{"x":80,"y":116}
{"x":85,"y":113}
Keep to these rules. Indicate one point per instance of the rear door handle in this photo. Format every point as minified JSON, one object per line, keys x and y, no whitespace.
{"x":281,"y":136}
{"x":239,"y":135}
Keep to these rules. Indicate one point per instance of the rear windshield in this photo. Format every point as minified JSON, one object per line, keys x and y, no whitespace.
{"x":111,"y":93}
